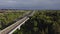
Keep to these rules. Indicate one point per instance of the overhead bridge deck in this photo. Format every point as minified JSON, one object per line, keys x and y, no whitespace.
{"x":10,"y":29}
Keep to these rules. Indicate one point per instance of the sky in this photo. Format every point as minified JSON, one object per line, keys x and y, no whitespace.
{"x":30,"y":4}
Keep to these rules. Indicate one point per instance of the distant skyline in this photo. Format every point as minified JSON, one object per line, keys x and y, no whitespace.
{"x":30,"y":4}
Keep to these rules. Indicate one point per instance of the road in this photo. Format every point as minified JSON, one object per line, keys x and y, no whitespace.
{"x":13,"y":26}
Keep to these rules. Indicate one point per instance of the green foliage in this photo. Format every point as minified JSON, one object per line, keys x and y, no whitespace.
{"x":8,"y":18}
{"x":43,"y":22}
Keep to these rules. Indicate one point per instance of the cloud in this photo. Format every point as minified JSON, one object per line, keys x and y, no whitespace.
{"x":49,"y":4}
